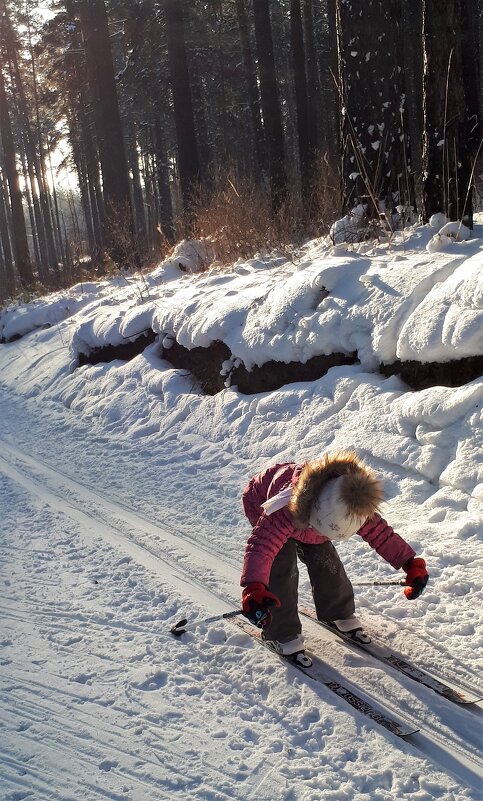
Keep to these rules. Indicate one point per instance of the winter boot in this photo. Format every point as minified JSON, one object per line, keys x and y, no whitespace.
{"x":294,"y":650}
{"x":352,"y":628}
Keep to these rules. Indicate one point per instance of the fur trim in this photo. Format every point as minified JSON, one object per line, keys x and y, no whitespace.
{"x":361,"y":491}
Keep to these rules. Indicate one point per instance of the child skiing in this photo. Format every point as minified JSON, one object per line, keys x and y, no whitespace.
{"x":297,"y":510}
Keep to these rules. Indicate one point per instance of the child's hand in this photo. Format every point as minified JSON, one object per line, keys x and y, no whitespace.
{"x":416,"y":577}
{"x":255,"y":602}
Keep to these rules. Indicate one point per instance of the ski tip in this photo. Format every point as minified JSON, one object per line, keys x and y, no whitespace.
{"x":403,"y":732}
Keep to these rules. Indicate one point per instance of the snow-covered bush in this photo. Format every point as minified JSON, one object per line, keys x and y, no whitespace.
{"x":351,"y":228}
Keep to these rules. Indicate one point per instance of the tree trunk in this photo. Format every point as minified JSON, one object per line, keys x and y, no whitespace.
{"x":6,"y":248}
{"x":301,"y":104}
{"x":82,"y":179}
{"x":151,"y":200}
{"x":137,"y":190}
{"x":56,"y":226}
{"x":188,"y":162}
{"x":413,"y":53}
{"x":375,"y":153}
{"x":472,"y":27}
{"x":451,"y":117}
{"x":83,"y":145}
{"x":162,"y":181}
{"x":204,"y":149}
{"x":37,"y":159}
{"x":39,"y":192}
{"x":19,"y":231}
{"x":39,"y":264}
{"x":37,"y":223}
{"x":332,"y":109}
{"x":98,"y":210}
{"x":272,"y":116}
{"x":252,"y":92}
{"x":119,"y":229}
{"x":313,"y":92}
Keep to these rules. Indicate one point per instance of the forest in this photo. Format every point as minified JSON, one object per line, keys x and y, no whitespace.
{"x":251,"y":123}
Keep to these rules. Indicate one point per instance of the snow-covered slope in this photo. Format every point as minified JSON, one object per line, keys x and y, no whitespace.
{"x":387,"y":303}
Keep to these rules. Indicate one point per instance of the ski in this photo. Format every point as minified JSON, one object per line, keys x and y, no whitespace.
{"x":384,"y":654}
{"x":321,"y":673}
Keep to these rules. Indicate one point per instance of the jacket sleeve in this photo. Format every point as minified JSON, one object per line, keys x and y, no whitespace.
{"x":269,"y":535}
{"x":380,"y":536}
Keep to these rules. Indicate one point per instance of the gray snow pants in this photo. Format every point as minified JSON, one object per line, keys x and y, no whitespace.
{"x":331,"y":589}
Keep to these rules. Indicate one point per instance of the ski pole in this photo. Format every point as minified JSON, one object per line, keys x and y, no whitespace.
{"x":183,"y":625}
{"x":377,"y":583}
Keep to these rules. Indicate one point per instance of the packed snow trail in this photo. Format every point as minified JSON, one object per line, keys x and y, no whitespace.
{"x":192,"y":572}
{"x":73,"y":715}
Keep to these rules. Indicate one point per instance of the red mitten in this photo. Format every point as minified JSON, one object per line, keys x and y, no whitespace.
{"x":416,"y":577}
{"x":255,"y":602}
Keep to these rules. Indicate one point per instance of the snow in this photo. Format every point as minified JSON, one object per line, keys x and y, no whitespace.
{"x":450,"y":232}
{"x":120,"y":505}
{"x":353,"y":226}
{"x":437,"y":221}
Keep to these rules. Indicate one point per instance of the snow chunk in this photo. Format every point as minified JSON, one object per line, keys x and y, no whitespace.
{"x":449,"y":233}
{"x":456,"y":231}
{"x":193,"y":255}
{"x":436,"y":221}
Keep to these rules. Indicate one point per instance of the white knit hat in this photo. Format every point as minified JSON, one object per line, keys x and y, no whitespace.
{"x":330,"y":516}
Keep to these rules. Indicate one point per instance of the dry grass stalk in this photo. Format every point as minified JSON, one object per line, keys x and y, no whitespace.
{"x":239,"y":221}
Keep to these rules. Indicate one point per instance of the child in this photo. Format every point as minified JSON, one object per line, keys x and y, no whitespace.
{"x":297,"y":510}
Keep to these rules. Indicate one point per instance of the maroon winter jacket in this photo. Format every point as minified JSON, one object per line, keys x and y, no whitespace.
{"x":271,"y":532}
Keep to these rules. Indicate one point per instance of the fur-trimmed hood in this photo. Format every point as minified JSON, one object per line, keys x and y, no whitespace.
{"x":361,"y":491}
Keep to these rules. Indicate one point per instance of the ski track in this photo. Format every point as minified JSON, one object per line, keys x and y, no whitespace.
{"x":438,"y":748}
{"x":94,"y":526}
{"x":104,"y":753}
{"x":79,"y":719}
{"x":192,"y":569}
{"x":75,"y":497}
